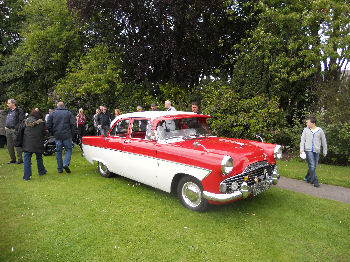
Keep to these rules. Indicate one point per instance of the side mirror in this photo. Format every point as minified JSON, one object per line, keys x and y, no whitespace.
{"x":196,"y":144}
{"x":259,"y":137}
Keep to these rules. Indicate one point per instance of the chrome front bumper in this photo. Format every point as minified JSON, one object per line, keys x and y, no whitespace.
{"x":244,"y":191}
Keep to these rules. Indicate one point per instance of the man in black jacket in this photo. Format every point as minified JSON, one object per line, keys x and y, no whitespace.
{"x":105,"y":121}
{"x":14,"y":117}
{"x":61,"y":123}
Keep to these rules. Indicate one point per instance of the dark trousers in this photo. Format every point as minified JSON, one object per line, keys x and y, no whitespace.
{"x":104,"y":130}
{"x":28,"y":165}
{"x":81,"y":133}
{"x":2,"y":141}
{"x":10,"y":138}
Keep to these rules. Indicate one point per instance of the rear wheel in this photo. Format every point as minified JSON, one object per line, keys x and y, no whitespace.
{"x":189,"y":191}
{"x":103,"y":170}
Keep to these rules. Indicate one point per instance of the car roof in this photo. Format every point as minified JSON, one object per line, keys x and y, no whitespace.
{"x":152,"y":114}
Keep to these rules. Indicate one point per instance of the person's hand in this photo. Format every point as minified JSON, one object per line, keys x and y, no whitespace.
{"x":6,"y":128}
{"x":301,"y":152}
{"x":324,"y":155}
{"x":99,"y":126}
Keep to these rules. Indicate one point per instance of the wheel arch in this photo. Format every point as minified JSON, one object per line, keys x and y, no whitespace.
{"x":175,"y":181}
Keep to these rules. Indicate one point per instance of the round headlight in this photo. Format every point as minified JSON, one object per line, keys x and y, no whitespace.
{"x":226,"y":165}
{"x":278,"y":151}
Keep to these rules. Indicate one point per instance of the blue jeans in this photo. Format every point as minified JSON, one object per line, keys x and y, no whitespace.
{"x":28,"y":165}
{"x":67,"y":144}
{"x":104,"y":130}
{"x":312,"y":161}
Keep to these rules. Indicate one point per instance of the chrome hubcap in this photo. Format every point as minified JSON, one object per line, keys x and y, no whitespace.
{"x":191,"y":194}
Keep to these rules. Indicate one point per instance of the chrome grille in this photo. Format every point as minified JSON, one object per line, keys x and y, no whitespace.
{"x":257,"y":170}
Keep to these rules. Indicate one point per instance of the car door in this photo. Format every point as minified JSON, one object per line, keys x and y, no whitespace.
{"x":114,"y":143}
{"x":139,"y":153}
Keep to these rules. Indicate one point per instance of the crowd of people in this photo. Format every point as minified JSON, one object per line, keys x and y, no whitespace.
{"x":25,"y":136}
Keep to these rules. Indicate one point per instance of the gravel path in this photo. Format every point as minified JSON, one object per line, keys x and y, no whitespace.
{"x":337,"y":193}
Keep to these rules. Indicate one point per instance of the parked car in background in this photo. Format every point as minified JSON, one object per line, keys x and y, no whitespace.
{"x":175,"y":152}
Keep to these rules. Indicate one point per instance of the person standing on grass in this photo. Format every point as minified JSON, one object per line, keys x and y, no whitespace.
{"x":81,"y":121}
{"x":168,"y":106}
{"x":97,"y":120}
{"x":154,"y":107}
{"x":2,"y":128}
{"x":61,"y":124}
{"x":14,"y":118}
{"x":195,"y":107}
{"x":105,"y":121}
{"x":33,"y":142}
{"x":312,"y":139}
{"x":47,"y":115}
{"x":116,"y":113}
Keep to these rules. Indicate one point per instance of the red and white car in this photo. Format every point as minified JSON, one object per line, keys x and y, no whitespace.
{"x":174,"y":151}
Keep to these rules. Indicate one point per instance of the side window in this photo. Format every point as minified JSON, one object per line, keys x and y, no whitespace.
{"x":139,"y":128}
{"x":120,"y":129}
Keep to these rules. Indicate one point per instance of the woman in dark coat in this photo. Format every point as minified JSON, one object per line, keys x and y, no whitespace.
{"x":33,"y":137}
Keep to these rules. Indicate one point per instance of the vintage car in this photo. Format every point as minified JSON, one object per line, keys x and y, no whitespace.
{"x":175,"y":152}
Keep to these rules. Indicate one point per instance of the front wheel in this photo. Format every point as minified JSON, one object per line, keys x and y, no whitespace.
{"x":189,"y":191}
{"x":103,"y":170}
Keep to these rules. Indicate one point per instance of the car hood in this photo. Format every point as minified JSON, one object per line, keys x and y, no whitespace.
{"x":242,"y":151}
{"x":211,"y":151}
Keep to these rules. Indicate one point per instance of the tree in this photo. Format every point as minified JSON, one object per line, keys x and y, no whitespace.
{"x":11,"y":19}
{"x":239,"y":117}
{"x":167,"y":41}
{"x":284,"y":54}
{"x":50,"y":40}
{"x":94,"y":79}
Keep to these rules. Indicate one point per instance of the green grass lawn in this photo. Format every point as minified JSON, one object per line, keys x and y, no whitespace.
{"x":326,"y":174}
{"x":84,"y":217}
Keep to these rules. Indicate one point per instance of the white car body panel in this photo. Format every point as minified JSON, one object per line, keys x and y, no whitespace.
{"x":151,"y":171}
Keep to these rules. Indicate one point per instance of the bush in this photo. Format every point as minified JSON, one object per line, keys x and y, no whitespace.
{"x":233,"y":116}
{"x":338,"y":139}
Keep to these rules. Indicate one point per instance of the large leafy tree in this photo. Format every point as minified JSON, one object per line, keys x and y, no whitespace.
{"x":93,"y":80}
{"x":11,"y":19}
{"x":165,"y":40}
{"x":296,"y":47}
{"x":50,"y":40}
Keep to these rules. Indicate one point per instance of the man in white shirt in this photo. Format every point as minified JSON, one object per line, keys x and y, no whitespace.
{"x":168,"y":106}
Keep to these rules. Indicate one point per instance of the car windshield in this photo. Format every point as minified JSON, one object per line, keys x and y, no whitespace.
{"x":184,"y":128}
